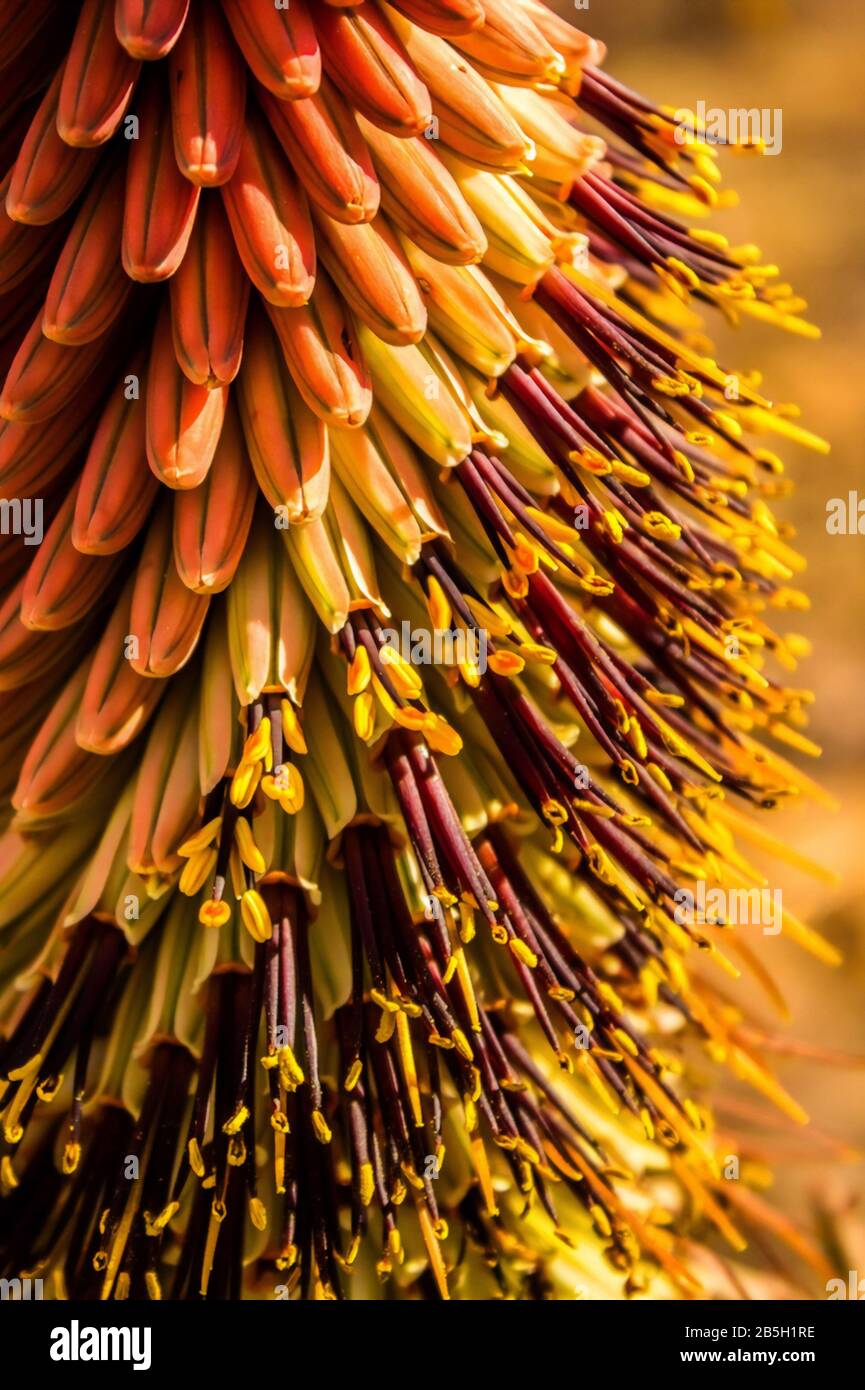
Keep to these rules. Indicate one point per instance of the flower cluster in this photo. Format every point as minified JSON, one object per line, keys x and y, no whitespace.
{"x":323,"y":969}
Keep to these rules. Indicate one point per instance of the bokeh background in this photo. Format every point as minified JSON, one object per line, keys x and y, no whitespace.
{"x":805,"y":208}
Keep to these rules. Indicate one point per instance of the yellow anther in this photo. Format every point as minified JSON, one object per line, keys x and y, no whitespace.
{"x":249,"y":851}
{"x":214,"y":914}
{"x":255,"y":916}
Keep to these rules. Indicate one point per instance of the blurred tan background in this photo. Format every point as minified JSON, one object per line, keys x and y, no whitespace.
{"x":805,"y":208}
